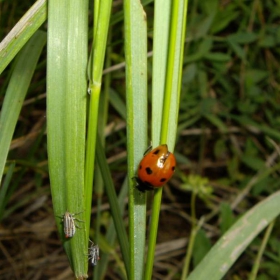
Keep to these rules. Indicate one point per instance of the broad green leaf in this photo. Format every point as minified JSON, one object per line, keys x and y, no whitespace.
{"x":66,"y":111}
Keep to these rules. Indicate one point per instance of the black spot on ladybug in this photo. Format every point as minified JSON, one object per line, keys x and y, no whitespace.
{"x":156,"y":152}
{"x":149,"y":171}
{"x":140,"y":166}
{"x":162,"y":179}
{"x":173,"y":168}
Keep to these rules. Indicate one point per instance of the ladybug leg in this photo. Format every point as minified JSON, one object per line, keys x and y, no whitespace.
{"x":142,"y":186}
{"x":149,"y":149}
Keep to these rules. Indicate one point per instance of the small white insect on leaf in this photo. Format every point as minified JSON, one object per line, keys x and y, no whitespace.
{"x":93,"y":253}
{"x":68,"y":220}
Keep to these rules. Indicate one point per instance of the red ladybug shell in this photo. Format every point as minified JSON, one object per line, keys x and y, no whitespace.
{"x":156,"y":168}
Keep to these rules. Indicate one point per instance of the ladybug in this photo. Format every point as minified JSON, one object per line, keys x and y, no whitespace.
{"x":155,"y":169}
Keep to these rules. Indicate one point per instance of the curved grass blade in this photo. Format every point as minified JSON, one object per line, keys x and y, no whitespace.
{"x":258,"y":260}
{"x":25,"y":65}
{"x":230,"y":246}
{"x":111,"y":232}
{"x":22,"y":32}
{"x":115,"y":209}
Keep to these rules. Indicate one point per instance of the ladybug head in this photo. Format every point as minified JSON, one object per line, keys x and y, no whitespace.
{"x":143,"y":186}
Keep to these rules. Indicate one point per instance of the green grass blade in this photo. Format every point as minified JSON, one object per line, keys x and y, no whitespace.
{"x":96,"y":10}
{"x":170,"y":108}
{"x":111,"y":232}
{"x":22,"y":32}
{"x":230,"y":246}
{"x":4,"y":188}
{"x":174,"y":73}
{"x":136,"y":104}
{"x":258,"y":260}
{"x":20,"y":80}
{"x":160,"y":54}
{"x":117,"y":103}
{"x":113,"y":200}
{"x":98,"y":181}
{"x":97,"y":64}
{"x":66,"y":111}
{"x":100,"y":40}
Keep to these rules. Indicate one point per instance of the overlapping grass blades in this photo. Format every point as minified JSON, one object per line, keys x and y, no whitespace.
{"x":114,"y":205}
{"x":96,"y":64}
{"x":166,"y":102}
